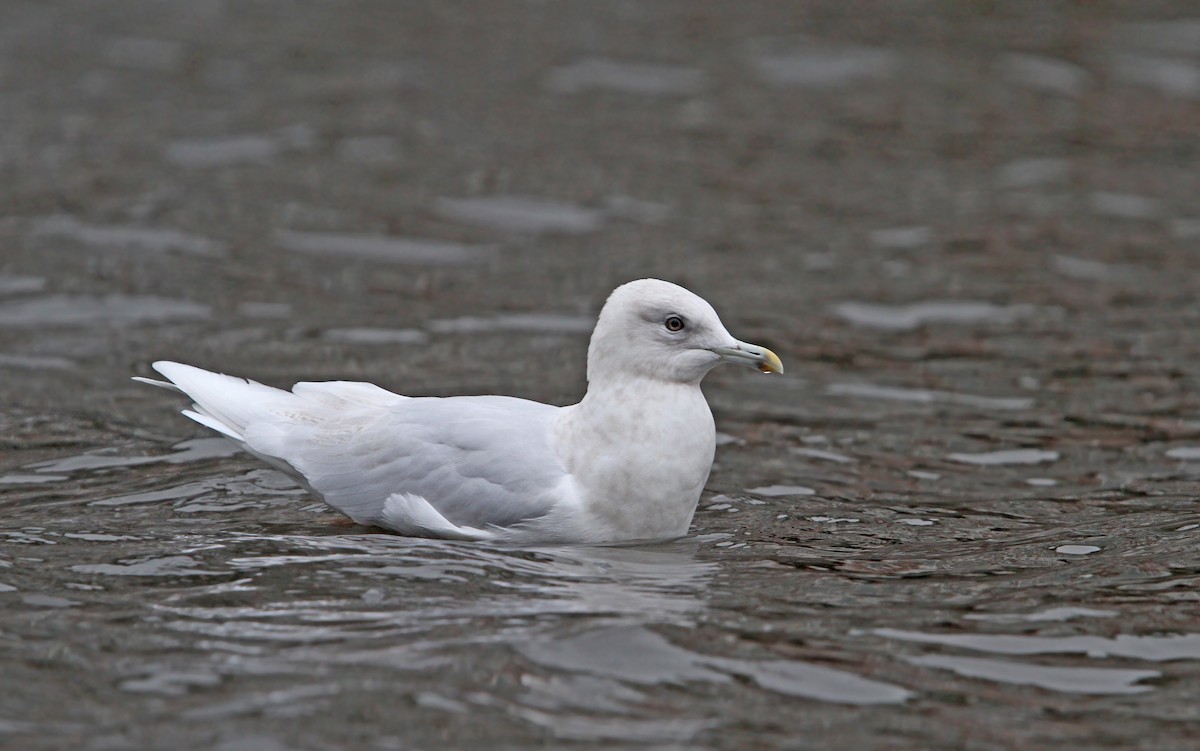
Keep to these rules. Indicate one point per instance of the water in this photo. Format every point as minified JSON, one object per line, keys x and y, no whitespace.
{"x":916,"y":315}
{"x":125,"y":238}
{"x":1174,"y":78}
{"x":927,"y":396}
{"x":965,"y":518}
{"x":14,"y":285}
{"x":139,"y":53}
{"x":1032,"y":172}
{"x":379,"y":336}
{"x":1007,"y":456}
{"x":648,"y":79}
{"x":521,"y":214}
{"x":1046,"y":74}
{"x":89,"y":311}
{"x":379,"y":248}
{"x":820,"y":66}
{"x":1125,"y":206}
{"x":902,"y":238}
{"x":538,"y":323}
{"x":368,"y":150}
{"x":219,"y":152}
{"x":1065,"y":680}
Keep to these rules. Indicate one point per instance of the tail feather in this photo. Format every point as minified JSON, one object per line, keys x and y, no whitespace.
{"x":228,"y":404}
{"x":209,"y":421}
{"x":160,"y":384}
{"x":269,"y":422}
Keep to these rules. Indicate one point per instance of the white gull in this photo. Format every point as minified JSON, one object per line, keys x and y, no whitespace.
{"x":628,"y":462}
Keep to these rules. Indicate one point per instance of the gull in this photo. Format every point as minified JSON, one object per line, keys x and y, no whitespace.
{"x":627,"y":463}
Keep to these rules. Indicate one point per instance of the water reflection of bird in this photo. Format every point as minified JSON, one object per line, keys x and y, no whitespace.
{"x":627,"y":462}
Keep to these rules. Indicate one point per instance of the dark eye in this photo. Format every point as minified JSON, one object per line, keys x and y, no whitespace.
{"x":674,"y":323}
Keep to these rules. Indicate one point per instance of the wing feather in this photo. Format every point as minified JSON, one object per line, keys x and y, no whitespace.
{"x":478,"y":461}
{"x":472,"y":464}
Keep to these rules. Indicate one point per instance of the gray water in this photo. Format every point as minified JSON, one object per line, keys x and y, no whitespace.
{"x":965,"y":518}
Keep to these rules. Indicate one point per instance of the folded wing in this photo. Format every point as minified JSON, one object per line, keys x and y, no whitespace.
{"x":479,"y":463}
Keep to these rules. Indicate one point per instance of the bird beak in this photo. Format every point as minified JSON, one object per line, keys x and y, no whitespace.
{"x":750,"y":355}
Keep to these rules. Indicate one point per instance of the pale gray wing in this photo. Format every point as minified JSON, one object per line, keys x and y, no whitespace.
{"x":479,"y":461}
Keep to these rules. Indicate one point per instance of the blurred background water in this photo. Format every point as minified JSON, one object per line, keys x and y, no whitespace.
{"x":965,"y":518}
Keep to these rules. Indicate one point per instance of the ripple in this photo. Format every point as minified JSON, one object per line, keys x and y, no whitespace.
{"x":1168,"y":76}
{"x":98,"y":537}
{"x":48,"y":601}
{"x":665,"y":582}
{"x":289,"y":702}
{"x":88,"y":311}
{"x":775,"y":491}
{"x":1152,"y":648}
{"x":35,"y":362}
{"x":901,"y":238}
{"x":535,"y":323}
{"x":622,"y":728}
{"x":824,"y":66}
{"x":1093,"y":271}
{"x":168,"y":682}
{"x":636,"y":209}
{"x":278,"y":310}
{"x":146,"y":54}
{"x":1185,"y":453}
{"x":927,"y":396}
{"x":1030,"y":173}
{"x":640,"y":656}
{"x":646,"y":79}
{"x":521,"y":214}
{"x":822,"y":455}
{"x":1047,"y":74}
{"x":368,"y":149}
{"x":1063,"y":679}
{"x":1042,"y":616}
{"x":1076,"y":549}
{"x":380,"y":248}
{"x":223,"y":152}
{"x":192,"y":450}
{"x":1178,"y":35}
{"x":257,"y":489}
{"x":1185,"y":228}
{"x":149,"y":239}
{"x":372,"y":336}
{"x":20,"y":285}
{"x":914,"y":316}
{"x":20,"y":479}
{"x":629,"y":653}
{"x":171,"y":565}
{"x":1006,"y":457}
{"x":1126,"y":206}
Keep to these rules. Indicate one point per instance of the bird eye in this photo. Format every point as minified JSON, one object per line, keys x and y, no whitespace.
{"x":674,"y":323}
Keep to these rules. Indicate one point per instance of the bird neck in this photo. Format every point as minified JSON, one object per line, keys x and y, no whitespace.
{"x":643,"y":412}
{"x":638,"y":393}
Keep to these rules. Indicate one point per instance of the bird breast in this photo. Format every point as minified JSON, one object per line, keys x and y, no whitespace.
{"x":641,"y":455}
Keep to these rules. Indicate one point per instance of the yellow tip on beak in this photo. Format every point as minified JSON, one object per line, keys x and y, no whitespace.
{"x":771,"y":362}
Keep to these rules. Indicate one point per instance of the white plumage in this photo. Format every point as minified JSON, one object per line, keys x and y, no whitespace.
{"x":628,"y":462}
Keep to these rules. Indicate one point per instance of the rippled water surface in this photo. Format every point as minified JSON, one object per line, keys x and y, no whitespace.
{"x":966,"y":517}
